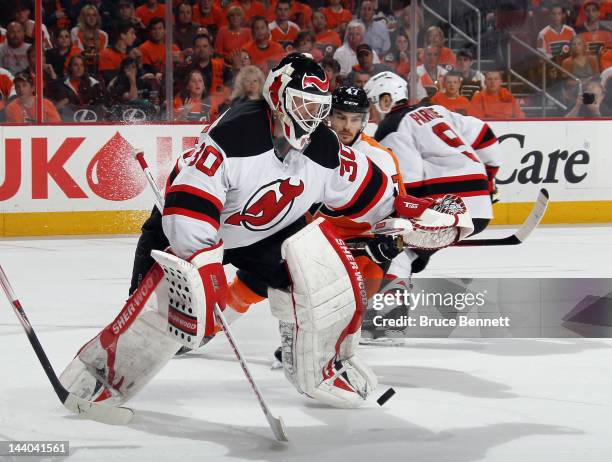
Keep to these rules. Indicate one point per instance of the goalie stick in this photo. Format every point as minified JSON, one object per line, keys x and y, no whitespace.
{"x":394,"y":226}
{"x":521,"y":234}
{"x":91,"y":410}
{"x":159,"y":199}
{"x":276,"y":423}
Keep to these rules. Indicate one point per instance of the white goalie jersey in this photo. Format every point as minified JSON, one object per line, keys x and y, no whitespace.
{"x":441,"y":152}
{"x":234,"y":187}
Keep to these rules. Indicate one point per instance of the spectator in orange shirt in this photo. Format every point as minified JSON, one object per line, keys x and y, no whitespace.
{"x":553,"y":40}
{"x":282,"y":30}
{"x":264,"y":53}
{"x":604,"y":11}
{"x":149,"y":10}
{"x":605,"y":60}
{"x":209,"y":15}
{"x":233,"y":36}
{"x":434,"y":36}
{"x":451,"y":99}
{"x":251,"y":9}
{"x":23,"y":108}
{"x":154,"y":50}
{"x":326,"y":40}
{"x":596,"y":36}
{"x":337,"y":16}
{"x":495,"y":102}
{"x":193,"y":104}
{"x":301,"y":14}
{"x":111,"y":58}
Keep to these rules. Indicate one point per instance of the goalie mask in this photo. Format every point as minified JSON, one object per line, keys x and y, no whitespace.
{"x":297,"y":90}
{"x":386,"y":83}
{"x":350,"y":113}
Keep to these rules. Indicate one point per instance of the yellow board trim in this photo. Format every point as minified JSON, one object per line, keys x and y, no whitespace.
{"x":62,"y":223}
{"x":514,"y":213}
{"x":130,"y":221}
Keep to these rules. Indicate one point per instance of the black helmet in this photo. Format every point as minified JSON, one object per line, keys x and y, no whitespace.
{"x":298,"y":90}
{"x":350,"y":99}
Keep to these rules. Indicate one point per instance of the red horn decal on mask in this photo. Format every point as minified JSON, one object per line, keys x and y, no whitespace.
{"x":314,"y":81}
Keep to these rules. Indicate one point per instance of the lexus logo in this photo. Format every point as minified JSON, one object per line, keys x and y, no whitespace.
{"x":85,"y":115}
{"x":133,"y":115}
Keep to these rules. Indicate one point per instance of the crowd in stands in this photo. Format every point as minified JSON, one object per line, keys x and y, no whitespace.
{"x":106,"y":59}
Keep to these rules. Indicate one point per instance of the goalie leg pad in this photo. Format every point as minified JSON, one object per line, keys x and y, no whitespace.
{"x":321,"y":318}
{"x":172,"y":307}
{"x":120,"y":360}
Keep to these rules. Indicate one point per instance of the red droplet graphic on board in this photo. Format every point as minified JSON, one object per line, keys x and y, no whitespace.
{"x":113,"y":173}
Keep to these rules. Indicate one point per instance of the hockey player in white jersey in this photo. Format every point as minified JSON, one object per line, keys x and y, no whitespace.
{"x":440,"y":152}
{"x":240,"y":198}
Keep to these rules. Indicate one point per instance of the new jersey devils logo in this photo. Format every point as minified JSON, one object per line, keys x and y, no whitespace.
{"x":314,"y":81}
{"x":268,"y":206}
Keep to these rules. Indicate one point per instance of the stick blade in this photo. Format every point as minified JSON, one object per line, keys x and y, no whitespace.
{"x":99,"y":412}
{"x":278,"y":428}
{"x":536,"y":215}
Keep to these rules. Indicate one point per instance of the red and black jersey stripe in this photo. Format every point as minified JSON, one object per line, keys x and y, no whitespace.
{"x":463,"y":185}
{"x":194,"y":203}
{"x":485,"y":138}
{"x":367,"y":196}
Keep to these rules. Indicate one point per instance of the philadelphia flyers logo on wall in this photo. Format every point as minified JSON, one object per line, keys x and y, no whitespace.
{"x":268,"y":206}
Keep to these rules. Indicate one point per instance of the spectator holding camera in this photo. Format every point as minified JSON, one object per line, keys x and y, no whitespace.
{"x":591,"y":102}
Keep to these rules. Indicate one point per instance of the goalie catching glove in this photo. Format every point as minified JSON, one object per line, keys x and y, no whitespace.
{"x":433,"y":223}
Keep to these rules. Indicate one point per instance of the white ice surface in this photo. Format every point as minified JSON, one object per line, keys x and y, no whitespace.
{"x":456,"y":400}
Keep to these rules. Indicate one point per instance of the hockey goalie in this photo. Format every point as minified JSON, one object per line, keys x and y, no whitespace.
{"x":240,"y":197}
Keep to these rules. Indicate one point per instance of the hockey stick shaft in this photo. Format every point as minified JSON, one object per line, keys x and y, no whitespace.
{"x":94,"y":411}
{"x":159,"y":199}
{"x":532,"y":221}
{"x":61,"y":392}
{"x":276,"y":424}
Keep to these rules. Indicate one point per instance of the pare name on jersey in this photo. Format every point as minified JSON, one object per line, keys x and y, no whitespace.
{"x":427,"y":321}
